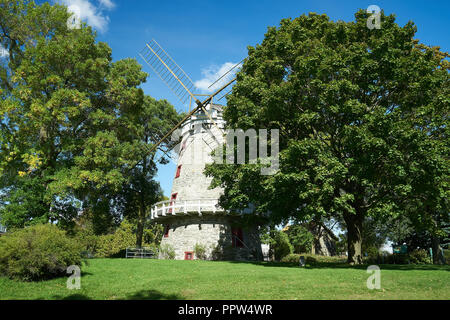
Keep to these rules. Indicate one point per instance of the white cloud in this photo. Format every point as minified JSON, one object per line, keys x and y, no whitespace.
{"x":3,"y":52}
{"x":213,"y":73}
{"x":108,"y":4}
{"x":92,"y":13}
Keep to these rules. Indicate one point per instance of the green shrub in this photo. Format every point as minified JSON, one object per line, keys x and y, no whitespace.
{"x":312,"y":259}
{"x":167,"y":252}
{"x":200,"y":251}
{"x":309,"y":260}
{"x":281,"y":245}
{"x":398,"y":258}
{"x":372,"y":253}
{"x":291,"y":258}
{"x":300,"y":238}
{"x":88,"y":241}
{"x":447,"y":256}
{"x":419,"y":256}
{"x":114,"y":245}
{"x":153,"y":247}
{"x":217,"y":252}
{"x":415,"y":257}
{"x":332,"y":259}
{"x":38,"y":252}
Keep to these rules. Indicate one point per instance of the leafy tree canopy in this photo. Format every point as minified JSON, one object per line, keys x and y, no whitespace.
{"x":75,"y":126}
{"x":363,"y":120}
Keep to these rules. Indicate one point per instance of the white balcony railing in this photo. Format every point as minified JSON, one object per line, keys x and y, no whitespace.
{"x":177,"y":207}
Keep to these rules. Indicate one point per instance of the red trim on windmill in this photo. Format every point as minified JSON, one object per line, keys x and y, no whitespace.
{"x":177,"y":175}
{"x":173,"y":197}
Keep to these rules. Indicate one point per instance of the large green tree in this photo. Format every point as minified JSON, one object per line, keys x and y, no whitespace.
{"x":21,"y":22}
{"x":363,"y":120}
{"x":73,"y":122}
{"x":141,"y":190}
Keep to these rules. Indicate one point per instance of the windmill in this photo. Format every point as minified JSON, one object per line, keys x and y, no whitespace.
{"x":180,"y":83}
{"x":192,"y":217}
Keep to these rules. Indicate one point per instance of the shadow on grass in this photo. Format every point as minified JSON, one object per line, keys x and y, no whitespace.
{"x":84,"y":273}
{"x":72,"y":297}
{"x":153,"y":295}
{"x":337,"y":265}
{"x":140,"y":295}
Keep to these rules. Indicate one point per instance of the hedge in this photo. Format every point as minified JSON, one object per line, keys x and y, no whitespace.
{"x":38,"y":252}
{"x":312,"y":259}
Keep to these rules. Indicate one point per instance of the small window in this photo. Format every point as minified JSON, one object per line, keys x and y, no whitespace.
{"x":189,"y":255}
{"x":237,"y":238}
{"x":178,"y":172}
{"x":172,"y":200}
{"x":166,"y":232}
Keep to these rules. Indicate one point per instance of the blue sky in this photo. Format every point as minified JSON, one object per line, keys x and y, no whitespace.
{"x":201,"y":36}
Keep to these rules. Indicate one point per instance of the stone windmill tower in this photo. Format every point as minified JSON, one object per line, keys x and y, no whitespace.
{"x":193,"y":217}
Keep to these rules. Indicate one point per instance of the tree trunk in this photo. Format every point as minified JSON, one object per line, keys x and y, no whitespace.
{"x":438,"y":258}
{"x":140,"y":227}
{"x":354,"y":224}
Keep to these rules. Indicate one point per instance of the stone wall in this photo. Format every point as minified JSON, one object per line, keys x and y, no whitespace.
{"x":213,"y":232}
{"x":199,"y":137}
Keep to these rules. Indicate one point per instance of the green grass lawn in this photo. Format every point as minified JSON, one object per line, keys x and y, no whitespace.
{"x":165,"y":279}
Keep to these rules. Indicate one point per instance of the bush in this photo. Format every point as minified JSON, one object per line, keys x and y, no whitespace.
{"x":200,"y":251}
{"x":292,"y":258}
{"x":281,"y":245}
{"x":300,"y":238}
{"x":217,"y":252}
{"x":447,"y":256}
{"x":167,"y":252}
{"x":114,"y":245}
{"x":153,"y":247}
{"x":88,"y":241}
{"x":419,"y":256}
{"x":309,"y":260}
{"x":38,"y":252}
{"x":398,"y":258}
{"x":312,"y":259}
{"x":372,"y":253}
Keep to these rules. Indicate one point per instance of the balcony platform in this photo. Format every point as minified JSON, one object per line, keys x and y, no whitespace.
{"x":185,"y":207}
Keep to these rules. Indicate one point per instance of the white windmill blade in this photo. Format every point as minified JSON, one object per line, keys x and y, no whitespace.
{"x":231,"y":72}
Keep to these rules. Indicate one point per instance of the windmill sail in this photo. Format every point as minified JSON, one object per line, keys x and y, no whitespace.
{"x":231,"y":73}
{"x":168,"y":70}
{"x":179,"y":82}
